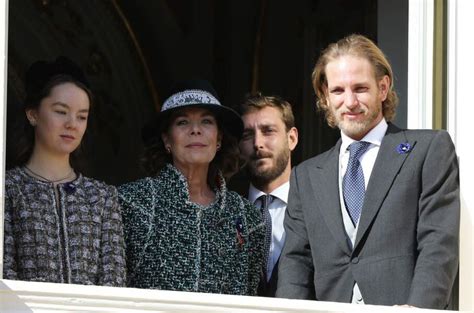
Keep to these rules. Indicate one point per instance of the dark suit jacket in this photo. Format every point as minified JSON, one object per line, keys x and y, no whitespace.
{"x":268,"y":288}
{"x":406,"y":249}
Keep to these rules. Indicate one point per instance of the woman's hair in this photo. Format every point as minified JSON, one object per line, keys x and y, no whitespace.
{"x":227,"y":159}
{"x":41,"y":78}
{"x":361,"y":47}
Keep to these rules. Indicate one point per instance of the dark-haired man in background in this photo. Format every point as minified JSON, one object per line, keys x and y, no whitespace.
{"x":268,"y":139}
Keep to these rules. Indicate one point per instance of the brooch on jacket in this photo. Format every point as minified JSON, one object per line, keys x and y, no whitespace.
{"x":239,"y":227}
{"x":404,"y":148}
{"x":69,"y":188}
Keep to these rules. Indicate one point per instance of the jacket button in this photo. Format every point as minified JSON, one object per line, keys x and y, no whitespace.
{"x":355,"y":260}
{"x":221,"y":252}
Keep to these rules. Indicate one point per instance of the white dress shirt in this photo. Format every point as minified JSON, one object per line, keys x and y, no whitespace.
{"x":367,"y":161}
{"x":277,"y":210}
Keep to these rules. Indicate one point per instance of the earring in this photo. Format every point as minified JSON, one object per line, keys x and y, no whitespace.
{"x":218,"y":147}
{"x":168,"y":149}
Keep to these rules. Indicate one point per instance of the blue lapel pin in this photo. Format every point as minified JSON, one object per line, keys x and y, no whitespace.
{"x":404,"y":148}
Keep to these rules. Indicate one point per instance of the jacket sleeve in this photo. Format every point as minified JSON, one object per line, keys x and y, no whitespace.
{"x":295,"y":271}
{"x":438,"y":226}
{"x":137,"y":214}
{"x":112,"y":243}
{"x":9,"y":251}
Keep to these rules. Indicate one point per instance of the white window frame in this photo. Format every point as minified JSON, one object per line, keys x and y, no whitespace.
{"x":420,"y":64}
{"x":460,"y":108}
{"x":460,"y":111}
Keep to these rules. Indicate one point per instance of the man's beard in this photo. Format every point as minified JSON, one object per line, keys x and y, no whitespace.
{"x":261,"y":177}
{"x":355,"y":128}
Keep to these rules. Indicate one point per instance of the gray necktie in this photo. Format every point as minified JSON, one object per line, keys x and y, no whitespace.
{"x":265,"y":201}
{"x":353,"y":182}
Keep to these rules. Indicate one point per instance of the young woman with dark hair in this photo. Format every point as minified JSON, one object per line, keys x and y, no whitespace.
{"x":59,"y":225}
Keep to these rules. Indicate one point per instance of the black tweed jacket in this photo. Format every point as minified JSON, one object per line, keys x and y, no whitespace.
{"x":175,"y":244}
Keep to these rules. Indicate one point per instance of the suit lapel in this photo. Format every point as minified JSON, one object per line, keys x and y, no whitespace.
{"x":386,"y":167}
{"x":325,"y":181}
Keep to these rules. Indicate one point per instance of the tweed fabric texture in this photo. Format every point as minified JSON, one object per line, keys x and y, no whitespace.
{"x":77,"y":240}
{"x":175,"y":244}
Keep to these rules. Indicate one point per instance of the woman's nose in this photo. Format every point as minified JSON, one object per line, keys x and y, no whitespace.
{"x":70,"y":122}
{"x":195,"y":128}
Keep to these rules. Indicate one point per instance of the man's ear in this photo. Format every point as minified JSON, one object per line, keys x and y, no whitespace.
{"x":292,"y":138}
{"x":326,"y":93}
{"x":384,"y":85}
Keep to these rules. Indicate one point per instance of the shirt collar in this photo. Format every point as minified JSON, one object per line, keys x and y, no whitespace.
{"x":281,"y":192}
{"x":374,"y":136}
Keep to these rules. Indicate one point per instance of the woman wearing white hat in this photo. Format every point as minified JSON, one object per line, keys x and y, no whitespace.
{"x":183,"y":229}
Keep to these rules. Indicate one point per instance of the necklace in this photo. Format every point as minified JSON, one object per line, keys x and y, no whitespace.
{"x":49,"y":180}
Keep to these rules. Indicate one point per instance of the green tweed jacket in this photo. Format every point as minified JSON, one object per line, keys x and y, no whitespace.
{"x":175,"y":244}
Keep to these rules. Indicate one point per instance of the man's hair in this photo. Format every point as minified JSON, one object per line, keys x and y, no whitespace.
{"x":257,"y":101}
{"x":357,"y":46}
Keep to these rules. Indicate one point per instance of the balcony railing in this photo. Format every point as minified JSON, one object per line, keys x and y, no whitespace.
{"x":18,"y":296}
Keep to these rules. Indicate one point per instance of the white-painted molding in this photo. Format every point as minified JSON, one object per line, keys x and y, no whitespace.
{"x":16,"y":296}
{"x":3,"y":110}
{"x":460,"y":111}
{"x":420,"y":64}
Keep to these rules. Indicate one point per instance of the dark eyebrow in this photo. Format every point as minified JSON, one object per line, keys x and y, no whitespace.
{"x":261,"y":126}
{"x":65,"y":106}
{"x":61,"y":105}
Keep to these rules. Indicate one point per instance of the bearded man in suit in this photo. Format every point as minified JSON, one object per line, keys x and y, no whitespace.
{"x":268,"y":139}
{"x":375,"y":219}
